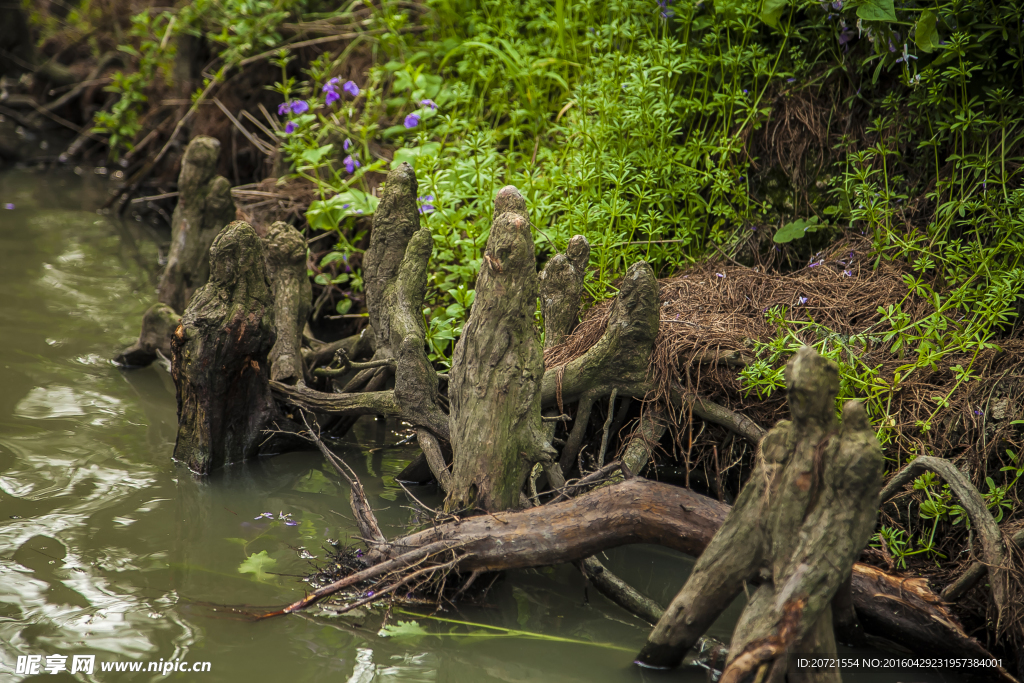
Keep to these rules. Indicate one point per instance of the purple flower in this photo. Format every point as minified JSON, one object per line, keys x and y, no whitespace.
{"x":291,"y":522}
{"x":359,"y":553}
{"x":345,"y":145}
{"x":300,"y":107}
{"x":847,"y":273}
{"x":838,"y":4}
{"x":282,"y":109}
{"x":290,"y":128}
{"x":802,"y":300}
{"x":331,"y":88}
{"x":369,"y":594}
{"x":427,"y":207}
{"x":719,"y":274}
{"x":351,"y":164}
{"x":9,"y":206}
{"x":351,"y":88}
{"x":845,"y":37}
{"x":429,"y":103}
{"x":790,"y":80}
{"x":412,"y":120}
{"x":265,"y":515}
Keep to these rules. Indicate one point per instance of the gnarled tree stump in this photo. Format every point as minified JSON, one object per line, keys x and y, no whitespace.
{"x":497,"y":368}
{"x":293,"y":293}
{"x":799,"y":524}
{"x":204,"y":208}
{"x":219,"y":356}
{"x":561,"y":289}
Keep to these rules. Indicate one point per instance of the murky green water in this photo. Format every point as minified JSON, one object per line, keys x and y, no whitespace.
{"x":109,"y":549}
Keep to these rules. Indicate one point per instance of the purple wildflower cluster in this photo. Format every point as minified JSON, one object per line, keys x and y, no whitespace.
{"x":331,"y":90}
{"x":302,"y":106}
{"x":285,"y":516}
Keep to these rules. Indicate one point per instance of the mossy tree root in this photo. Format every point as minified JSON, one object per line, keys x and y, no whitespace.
{"x":395,"y":269}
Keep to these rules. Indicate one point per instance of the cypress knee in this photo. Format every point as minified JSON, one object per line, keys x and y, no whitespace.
{"x":497,"y":370}
{"x":220,"y":352}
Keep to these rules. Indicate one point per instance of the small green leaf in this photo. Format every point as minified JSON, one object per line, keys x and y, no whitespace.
{"x":771,"y":11}
{"x":926,"y":35}
{"x":403,"y":629}
{"x":331,"y":258}
{"x":796,"y":230}
{"x":258,"y":564}
{"x":344,"y":306}
{"x":876,"y":10}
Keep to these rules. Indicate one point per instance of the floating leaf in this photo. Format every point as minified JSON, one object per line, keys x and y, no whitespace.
{"x":926,"y":35}
{"x":877,"y":10}
{"x":403,"y":629}
{"x":258,"y":564}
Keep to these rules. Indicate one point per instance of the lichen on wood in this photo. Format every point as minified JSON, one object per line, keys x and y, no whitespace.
{"x":219,"y":359}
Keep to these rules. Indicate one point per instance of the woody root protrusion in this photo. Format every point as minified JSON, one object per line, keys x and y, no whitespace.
{"x":204,"y":208}
{"x":798,"y":525}
{"x":395,"y":273}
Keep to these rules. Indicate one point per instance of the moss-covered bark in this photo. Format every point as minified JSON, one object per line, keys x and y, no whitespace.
{"x":497,"y":367}
{"x":219,"y":359}
{"x":619,"y":359}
